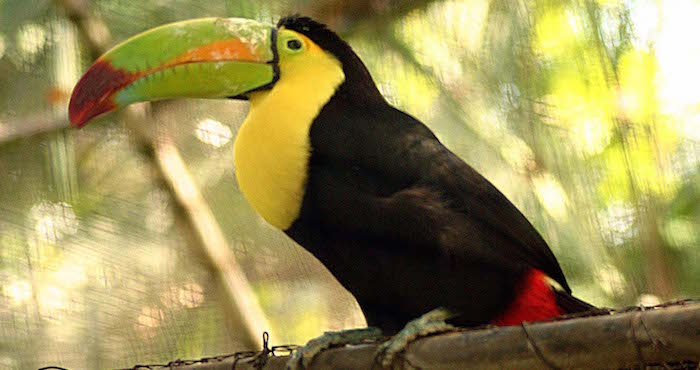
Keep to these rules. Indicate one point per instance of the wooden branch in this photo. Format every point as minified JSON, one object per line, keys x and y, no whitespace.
{"x":94,"y":31}
{"x":31,"y":125}
{"x":658,"y":336}
{"x":213,"y":243}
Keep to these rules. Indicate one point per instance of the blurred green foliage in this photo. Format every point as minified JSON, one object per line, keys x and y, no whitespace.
{"x":586,"y":114}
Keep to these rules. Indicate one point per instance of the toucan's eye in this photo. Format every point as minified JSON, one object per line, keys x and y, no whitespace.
{"x":294,"y":44}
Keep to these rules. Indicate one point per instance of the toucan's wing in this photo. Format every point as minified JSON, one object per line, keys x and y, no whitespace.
{"x":380,"y":172}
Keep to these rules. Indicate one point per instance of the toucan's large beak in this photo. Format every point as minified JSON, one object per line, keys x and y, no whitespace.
{"x":200,"y":58}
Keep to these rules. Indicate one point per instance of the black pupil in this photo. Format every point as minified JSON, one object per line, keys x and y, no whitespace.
{"x":294,"y":44}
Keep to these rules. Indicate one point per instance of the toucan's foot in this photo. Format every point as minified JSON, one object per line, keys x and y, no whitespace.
{"x":302,"y":357}
{"x":432,"y":322}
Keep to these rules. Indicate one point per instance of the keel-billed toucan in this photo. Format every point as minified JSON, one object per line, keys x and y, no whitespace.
{"x":403,"y":223}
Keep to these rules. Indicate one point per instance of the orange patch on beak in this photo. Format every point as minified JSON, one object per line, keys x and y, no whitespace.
{"x":226,"y":50}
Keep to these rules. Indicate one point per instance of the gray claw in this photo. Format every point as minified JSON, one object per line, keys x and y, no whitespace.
{"x":432,"y":322}
{"x":302,"y":357}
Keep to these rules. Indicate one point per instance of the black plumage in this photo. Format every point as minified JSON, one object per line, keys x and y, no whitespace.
{"x":404,"y":224}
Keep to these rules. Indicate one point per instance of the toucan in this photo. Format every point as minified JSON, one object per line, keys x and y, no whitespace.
{"x":404,"y":224}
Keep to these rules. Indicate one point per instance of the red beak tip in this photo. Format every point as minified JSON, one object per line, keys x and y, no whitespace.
{"x":76,"y":116}
{"x":84,"y":116}
{"x":92,"y":94}
{"x":77,"y":124}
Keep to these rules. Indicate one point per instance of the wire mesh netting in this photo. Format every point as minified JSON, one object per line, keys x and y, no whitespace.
{"x":585,"y":114}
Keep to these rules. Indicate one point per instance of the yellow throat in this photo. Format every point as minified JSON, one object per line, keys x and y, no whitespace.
{"x":272,"y":148}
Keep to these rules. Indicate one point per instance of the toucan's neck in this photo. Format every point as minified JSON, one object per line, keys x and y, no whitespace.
{"x":272,"y":147}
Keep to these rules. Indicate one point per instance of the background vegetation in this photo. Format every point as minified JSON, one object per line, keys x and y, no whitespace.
{"x":586,"y":114}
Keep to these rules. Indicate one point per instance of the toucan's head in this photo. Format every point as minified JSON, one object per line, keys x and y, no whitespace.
{"x":217,"y":58}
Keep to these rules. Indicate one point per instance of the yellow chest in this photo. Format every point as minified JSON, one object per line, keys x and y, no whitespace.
{"x":272,"y":163}
{"x":272,"y":148}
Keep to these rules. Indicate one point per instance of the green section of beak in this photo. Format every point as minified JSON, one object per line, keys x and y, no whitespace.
{"x":167,"y":43}
{"x":201,"y":58}
{"x":198,"y":80}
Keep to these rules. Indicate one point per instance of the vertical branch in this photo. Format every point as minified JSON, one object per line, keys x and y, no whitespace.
{"x":60,"y":151}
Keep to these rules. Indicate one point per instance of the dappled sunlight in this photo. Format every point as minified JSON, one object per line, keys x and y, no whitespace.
{"x":491,"y":125}
{"x":585,"y":114}
{"x":556,"y":32}
{"x":637,"y":75}
{"x":649,"y":300}
{"x":517,"y":153}
{"x":189,"y":295}
{"x":682,"y":234}
{"x":71,"y":274}
{"x":148,"y":321}
{"x":551,"y":195}
{"x":307,"y":312}
{"x":158,"y":259}
{"x":53,"y":221}
{"x":591,"y":135}
{"x":18,"y":292}
{"x":611,"y":280}
{"x":30,"y":39}
{"x":3,"y":45}
{"x":212,"y":132}
{"x":678,"y":61}
{"x":579,"y":94}
{"x":53,"y":302}
{"x":442,"y":48}
{"x":400,"y":83}
{"x":620,"y":223}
